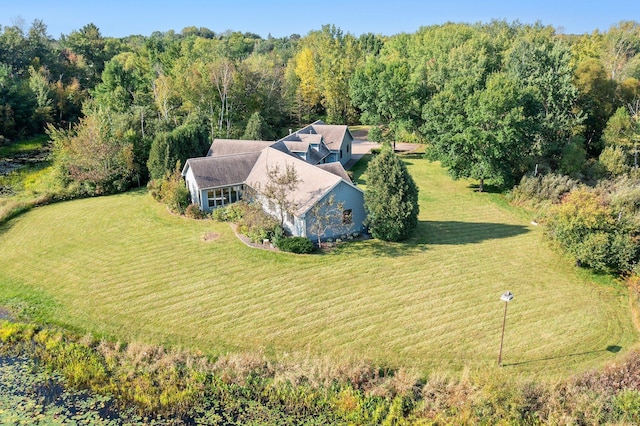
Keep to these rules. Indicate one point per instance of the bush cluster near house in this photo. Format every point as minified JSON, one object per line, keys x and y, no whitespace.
{"x":171,"y":190}
{"x":300,"y":245}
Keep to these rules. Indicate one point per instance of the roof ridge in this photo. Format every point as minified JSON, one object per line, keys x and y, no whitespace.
{"x":210,"y":157}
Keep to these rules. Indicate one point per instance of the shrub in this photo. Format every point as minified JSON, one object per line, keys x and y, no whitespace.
{"x":153,"y":186}
{"x":614,"y":159}
{"x":257,"y":224}
{"x":300,"y":245}
{"x":235,"y":211}
{"x":220,"y":214}
{"x":14,"y":332}
{"x":171,"y":191}
{"x":587,"y":228}
{"x":626,"y":405}
{"x":542,"y":189}
{"x":193,"y":212}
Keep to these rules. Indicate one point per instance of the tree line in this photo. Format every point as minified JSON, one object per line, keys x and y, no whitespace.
{"x":492,"y":101}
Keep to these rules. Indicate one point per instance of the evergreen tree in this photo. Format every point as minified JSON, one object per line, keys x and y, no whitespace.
{"x":391,"y":198}
{"x":255,"y":128}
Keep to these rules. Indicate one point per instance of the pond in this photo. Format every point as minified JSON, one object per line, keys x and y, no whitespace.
{"x":31,"y":395}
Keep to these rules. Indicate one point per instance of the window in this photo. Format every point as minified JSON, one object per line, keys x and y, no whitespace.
{"x":218,"y":197}
{"x":347,"y":149}
{"x":340,"y":154}
{"x":234,"y":193}
{"x":347,"y":217}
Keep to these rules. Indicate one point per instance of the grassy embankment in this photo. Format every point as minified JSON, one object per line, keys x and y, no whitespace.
{"x":124,"y":268}
{"x":32,"y":184}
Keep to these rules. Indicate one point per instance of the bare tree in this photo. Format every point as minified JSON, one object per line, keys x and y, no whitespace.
{"x":222,"y":73}
{"x":327,"y":216}
{"x":279,"y":187}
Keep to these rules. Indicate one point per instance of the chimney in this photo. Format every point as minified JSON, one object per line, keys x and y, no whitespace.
{"x":289,"y":131}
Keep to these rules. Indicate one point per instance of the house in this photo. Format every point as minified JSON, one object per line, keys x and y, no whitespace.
{"x":317,"y":184}
{"x":232,"y":167}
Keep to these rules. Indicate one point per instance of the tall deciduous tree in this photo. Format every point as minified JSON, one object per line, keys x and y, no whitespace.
{"x":541,"y":66}
{"x":391,"y":198}
{"x":596,"y":96}
{"x":621,"y":137}
{"x":621,"y":43}
{"x":491,"y":138}
{"x":324,"y":66}
{"x":39,"y":85}
{"x":309,"y":85}
{"x":383,"y":92}
{"x":89,"y":45}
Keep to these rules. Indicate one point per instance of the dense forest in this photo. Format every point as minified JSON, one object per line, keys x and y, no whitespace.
{"x":503,"y":103}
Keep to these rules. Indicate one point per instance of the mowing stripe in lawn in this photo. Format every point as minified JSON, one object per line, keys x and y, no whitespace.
{"x":123,"y":267}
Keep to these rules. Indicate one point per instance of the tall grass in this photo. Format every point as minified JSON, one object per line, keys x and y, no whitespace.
{"x":122,"y":267}
{"x":151,"y":384}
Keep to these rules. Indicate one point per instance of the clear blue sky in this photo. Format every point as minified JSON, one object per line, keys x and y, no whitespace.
{"x":117,"y":18}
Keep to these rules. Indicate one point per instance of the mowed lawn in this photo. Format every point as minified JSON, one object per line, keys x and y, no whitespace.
{"x":124,"y":268}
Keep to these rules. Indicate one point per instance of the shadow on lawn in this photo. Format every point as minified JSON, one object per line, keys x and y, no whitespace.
{"x":439,"y":233}
{"x":454,"y":232}
{"x":611,"y":348}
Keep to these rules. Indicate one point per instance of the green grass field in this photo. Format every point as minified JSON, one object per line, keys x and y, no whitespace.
{"x":124,"y":268}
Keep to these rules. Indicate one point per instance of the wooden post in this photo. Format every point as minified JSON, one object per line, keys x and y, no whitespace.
{"x":504,"y":320}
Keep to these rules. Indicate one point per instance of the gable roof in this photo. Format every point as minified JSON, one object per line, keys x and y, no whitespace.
{"x":337,"y":169}
{"x":236,"y":146}
{"x":315,"y":181}
{"x":212,"y":172}
{"x":312,"y":155}
{"x":332,"y":134}
{"x":318,"y":140}
{"x":296,"y":146}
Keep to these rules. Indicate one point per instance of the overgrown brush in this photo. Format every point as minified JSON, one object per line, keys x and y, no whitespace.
{"x":171,"y":190}
{"x":538,"y":192}
{"x":251,"y":388}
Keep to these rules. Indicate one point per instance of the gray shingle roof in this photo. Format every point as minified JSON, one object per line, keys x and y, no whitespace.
{"x":282,"y":147}
{"x":337,"y":169}
{"x":236,"y":146}
{"x":296,"y":146}
{"x":310,"y":138}
{"x":302,"y":143}
{"x":314,"y":184}
{"x":332,"y":134}
{"x":212,"y":172}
